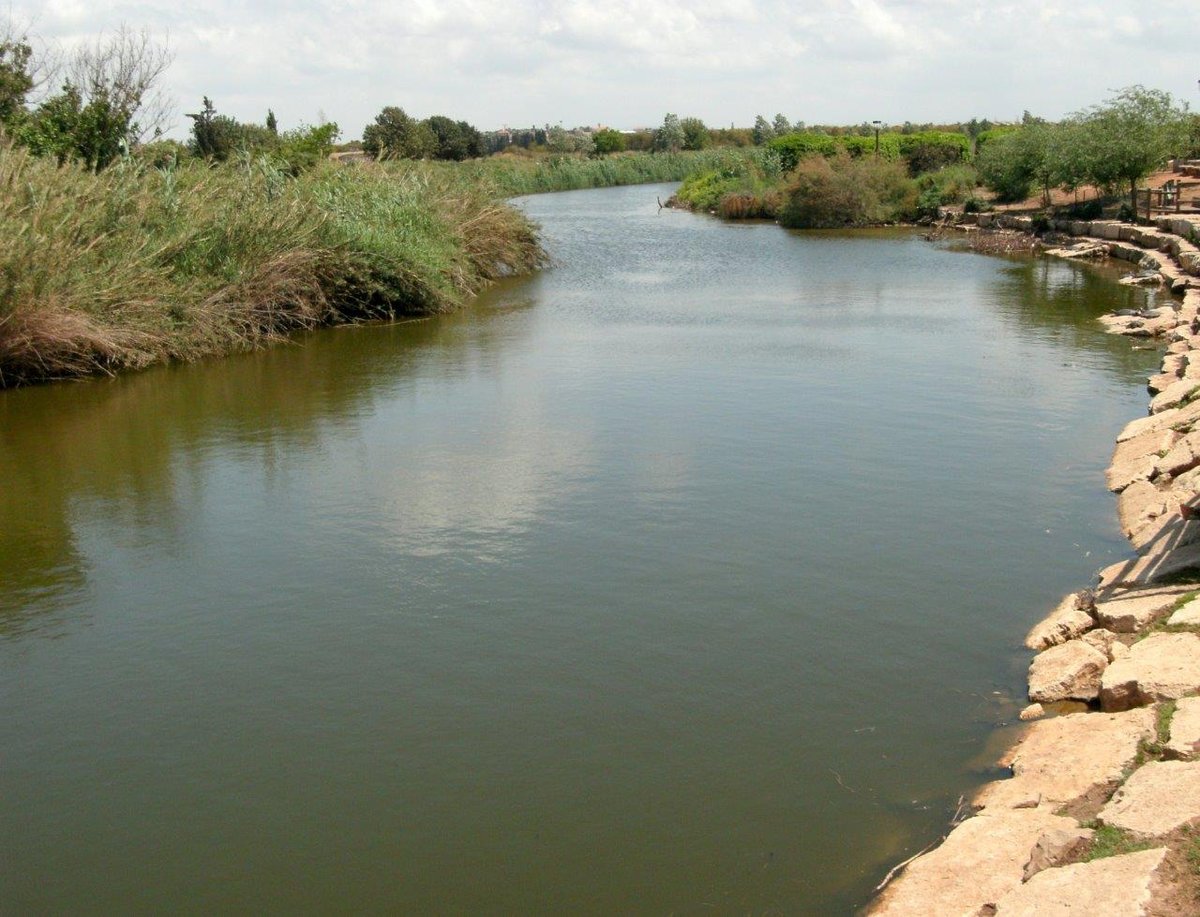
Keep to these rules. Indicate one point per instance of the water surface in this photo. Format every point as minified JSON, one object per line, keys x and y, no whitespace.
{"x":687,"y":576}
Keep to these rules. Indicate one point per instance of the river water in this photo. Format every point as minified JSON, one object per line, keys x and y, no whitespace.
{"x":688,"y":576}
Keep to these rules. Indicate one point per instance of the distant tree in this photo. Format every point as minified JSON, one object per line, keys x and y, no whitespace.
{"x":670,"y":137}
{"x":763,"y":130}
{"x":120,"y":75}
{"x":395,"y":135}
{"x":695,"y":134}
{"x":16,"y":77}
{"x":781,"y":125}
{"x":452,"y":143}
{"x":51,"y":129}
{"x":272,"y":124}
{"x":608,"y":141}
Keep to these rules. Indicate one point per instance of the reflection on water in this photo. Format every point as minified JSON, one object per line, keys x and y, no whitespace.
{"x":687,"y":575}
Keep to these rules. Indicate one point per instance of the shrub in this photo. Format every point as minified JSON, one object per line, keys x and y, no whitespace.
{"x":791,"y":148}
{"x":841,"y":191}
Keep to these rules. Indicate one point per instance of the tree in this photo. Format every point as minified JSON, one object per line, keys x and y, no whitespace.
{"x":695,"y":134}
{"x":272,"y":124}
{"x":16,"y":77}
{"x":608,"y":141}
{"x":763,"y":130}
{"x":121,"y":73}
{"x":1131,"y":135}
{"x":670,"y":137}
{"x":781,"y":125}
{"x":395,"y":135}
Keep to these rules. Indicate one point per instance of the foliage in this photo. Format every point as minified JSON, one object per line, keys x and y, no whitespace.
{"x":607,"y":141}
{"x":560,"y":140}
{"x":136,"y":265}
{"x":456,"y":140}
{"x":396,"y":135}
{"x":1109,"y":841}
{"x":695,"y":134}
{"x":763,"y":130}
{"x":926,"y":151}
{"x":670,"y":137}
{"x":510,"y":175}
{"x":794,"y":147}
{"x":16,"y":77}
{"x":1131,"y":135}
{"x":781,"y":125}
{"x":826,"y":192}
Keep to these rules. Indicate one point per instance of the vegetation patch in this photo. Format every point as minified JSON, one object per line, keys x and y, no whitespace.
{"x":1109,"y":841}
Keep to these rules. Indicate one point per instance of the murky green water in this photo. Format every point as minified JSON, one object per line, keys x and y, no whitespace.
{"x":688,"y":576}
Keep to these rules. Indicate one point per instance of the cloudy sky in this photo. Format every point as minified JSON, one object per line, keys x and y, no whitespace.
{"x":624,"y":63}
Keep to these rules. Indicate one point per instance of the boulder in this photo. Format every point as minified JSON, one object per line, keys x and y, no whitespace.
{"x":1056,"y":847}
{"x":1161,"y":667}
{"x":1184,"y":742}
{"x":1182,"y":456}
{"x":1119,"y":886}
{"x":1139,"y":503}
{"x":1129,"y":614}
{"x":1066,"y":622}
{"x":1174,"y":396}
{"x":1156,"y":799}
{"x":1032,"y":712}
{"x":1101,"y":639}
{"x":982,"y":860}
{"x":1068,"y":758}
{"x":1069,"y":671}
{"x":1135,"y":459}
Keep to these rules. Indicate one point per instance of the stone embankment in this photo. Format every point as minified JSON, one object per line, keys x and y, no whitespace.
{"x":1101,"y":815}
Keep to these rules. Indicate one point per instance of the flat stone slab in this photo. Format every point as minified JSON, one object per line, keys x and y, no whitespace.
{"x":1120,"y":886}
{"x":1062,"y":760}
{"x":1185,"y":730}
{"x":1161,"y":667}
{"x":1188,"y":615}
{"x":982,"y":860}
{"x":1129,"y":615}
{"x":1135,"y":459}
{"x":1066,"y":622}
{"x":1156,"y":799}
{"x":1152,"y":568}
{"x":1182,"y":456}
{"x":1069,"y":671}
{"x":1140,"y":502}
{"x":1174,"y":396}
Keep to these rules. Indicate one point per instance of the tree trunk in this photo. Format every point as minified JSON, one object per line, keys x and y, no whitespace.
{"x":1133,"y":198}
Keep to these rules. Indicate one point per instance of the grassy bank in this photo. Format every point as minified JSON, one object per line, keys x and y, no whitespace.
{"x":511,"y":175}
{"x":136,"y":265}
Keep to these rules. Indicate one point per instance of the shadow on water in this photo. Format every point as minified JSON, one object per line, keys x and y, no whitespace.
{"x":126,"y":446}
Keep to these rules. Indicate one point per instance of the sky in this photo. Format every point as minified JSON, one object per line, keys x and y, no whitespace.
{"x":624,"y":64}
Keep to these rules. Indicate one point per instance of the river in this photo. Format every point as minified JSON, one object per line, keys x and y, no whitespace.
{"x":687,"y":576}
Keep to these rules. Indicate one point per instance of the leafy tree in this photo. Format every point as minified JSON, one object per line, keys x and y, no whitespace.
{"x":304,"y":147}
{"x":670,"y":137}
{"x":763,"y":130}
{"x":781,"y":125}
{"x":608,"y":141}
{"x":456,"y":140}
{"x":16,"y":77}
{"x":51,"y":129}
{"x":1131,"y":135}
{"x":272,"y":124}
{"x":395,"y":135}
{"x":695,"y":134}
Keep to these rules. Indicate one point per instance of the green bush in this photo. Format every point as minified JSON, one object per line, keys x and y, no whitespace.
{"x":791,"y":148}
{"x":841,"y":191}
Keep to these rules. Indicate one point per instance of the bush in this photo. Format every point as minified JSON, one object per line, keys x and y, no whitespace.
{"x":791,"y":148}
{"x":926,"y":151}
{"x":841,"y":191}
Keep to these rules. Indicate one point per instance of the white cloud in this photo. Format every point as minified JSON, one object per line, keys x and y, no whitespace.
{"x":625,"y":63}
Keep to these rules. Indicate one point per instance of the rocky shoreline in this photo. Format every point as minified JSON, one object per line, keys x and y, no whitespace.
{"x":1101,"y":815}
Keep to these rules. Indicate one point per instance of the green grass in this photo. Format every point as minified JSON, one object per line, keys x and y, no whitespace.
{"x":1109,"y":841}
{"x":134,"y":266}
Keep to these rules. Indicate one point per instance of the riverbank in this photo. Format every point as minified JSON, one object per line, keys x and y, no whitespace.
{"x":1102,"y":811}
{"x":138,"y":265}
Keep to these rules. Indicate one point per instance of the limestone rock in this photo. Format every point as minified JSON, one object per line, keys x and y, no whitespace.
{"x":1174,"y":396}
{"x":1136,"y":458}
{"x":1120,"y":886}
{"x":1185,"y":729}
{"x":1032,"y":712}
{"x":1156,"y":799}
{"x":1139,"y":503}
{"x":1066,"y":622}
{"x":1055,"y":847}
{"x":1143,"y":425}
{"x":982,"y":860}
{"x":1064,"y":759}
{"x":1161,"y":667}
{"x":1101,"y":639}
{"x":1069,"y":671}
{"x":1131,"y":611}
{"x":1183,"y":456}
{"x":1146,"y":571}
{"x":1188,"y":615}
